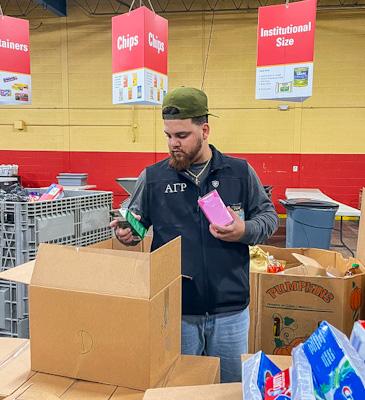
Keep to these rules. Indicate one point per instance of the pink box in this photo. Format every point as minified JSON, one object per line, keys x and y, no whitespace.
{"x":214,"y":209}
{"x":53,"y":192}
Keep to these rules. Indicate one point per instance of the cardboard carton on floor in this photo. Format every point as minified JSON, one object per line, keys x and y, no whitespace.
{"x":290,"y":306}
{"x":225,"y":391}
{"x":104,"y":315}
{"x":14,"y":364}
{"x":18,"y":382}
{"x":187,"y":371}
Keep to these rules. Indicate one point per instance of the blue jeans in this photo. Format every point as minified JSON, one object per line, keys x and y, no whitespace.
{"x":220,"y":335}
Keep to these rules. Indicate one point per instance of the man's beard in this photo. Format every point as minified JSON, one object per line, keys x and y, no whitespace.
{"x":183,"y":161}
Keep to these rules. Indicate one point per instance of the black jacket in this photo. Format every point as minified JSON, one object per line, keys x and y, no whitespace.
{"x":216,"y":273}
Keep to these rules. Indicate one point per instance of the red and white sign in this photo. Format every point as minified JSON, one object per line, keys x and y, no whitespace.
{"x":15,"y":80}
{"x":285,"y":49}
{"x":139,"y":57}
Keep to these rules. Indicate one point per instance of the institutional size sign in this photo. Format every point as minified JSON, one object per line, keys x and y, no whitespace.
{"x":139,"y":53}
{"x":15,"y":79}
{"x":285,"y":49}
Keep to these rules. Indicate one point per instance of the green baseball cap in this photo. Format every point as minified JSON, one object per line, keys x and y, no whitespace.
{"x":189,"y":102}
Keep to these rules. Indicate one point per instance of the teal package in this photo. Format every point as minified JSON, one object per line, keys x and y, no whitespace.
{"x":136,"y":226}
{"x":337,"y":368}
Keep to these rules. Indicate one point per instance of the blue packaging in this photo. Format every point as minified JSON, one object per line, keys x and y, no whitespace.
{"x":304,"y":384}
{"x":255,"y":371}
{"x":336,"y":366}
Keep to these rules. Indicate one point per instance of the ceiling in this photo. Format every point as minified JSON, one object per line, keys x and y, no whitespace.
{"x":25,"y":8}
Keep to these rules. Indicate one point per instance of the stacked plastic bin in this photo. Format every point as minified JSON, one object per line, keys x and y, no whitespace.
{"x":80,"y":218}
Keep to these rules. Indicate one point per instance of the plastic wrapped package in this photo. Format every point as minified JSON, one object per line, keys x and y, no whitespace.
{"x":337,"y":367}
{"x":255,"y":371}
{"x":357,"y":338}
{"x":304,"y":386}
{"x":278,"y":387}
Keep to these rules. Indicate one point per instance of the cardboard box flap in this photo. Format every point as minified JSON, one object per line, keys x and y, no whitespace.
{"x":282,"y":362}
{"x":92,"y":270}
{"x":225,"y":391}
{"x":14,"y":364}
{"x":308,"y":261}
{"x":323,"y":257}
{"x":191,"y":371}
{"x":165,"y":265}
{"x":123,"y":393}
{"x":22,"y":273}
{"x":82,"y":390}
{"x":43,"y":387}
{"x":280,"y":253}
{"x":305,"y":270}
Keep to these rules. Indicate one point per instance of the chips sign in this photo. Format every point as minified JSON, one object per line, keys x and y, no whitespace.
{"x":15,"y":80}
{"x":285,"y":48}
{"x":139,"y":53}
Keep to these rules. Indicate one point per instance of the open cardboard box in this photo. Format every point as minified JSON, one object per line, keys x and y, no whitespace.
{"x":104,"y":314}
{"x":17,"y":381}
{"x":288,"y":307}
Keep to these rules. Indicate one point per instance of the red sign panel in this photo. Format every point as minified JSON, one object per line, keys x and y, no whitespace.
{"x":14,"y":45}
{"x":285,"y":33}
{"x":139,"y":40}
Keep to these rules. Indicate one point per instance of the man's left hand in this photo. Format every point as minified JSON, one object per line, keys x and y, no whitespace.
{"x":229,"y":233}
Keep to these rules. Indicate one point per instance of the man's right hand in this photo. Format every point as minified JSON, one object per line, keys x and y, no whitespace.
{"x":124,"y":235}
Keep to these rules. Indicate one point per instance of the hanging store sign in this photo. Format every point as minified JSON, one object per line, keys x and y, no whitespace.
{"x":139,"y":53}
{"x":285,"y":48}
{"x":15,"y":79}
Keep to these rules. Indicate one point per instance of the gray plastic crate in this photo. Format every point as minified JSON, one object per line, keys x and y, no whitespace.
{"x":71,"y":179}
{"x":80,"y":218}
{"x":13,"y":307}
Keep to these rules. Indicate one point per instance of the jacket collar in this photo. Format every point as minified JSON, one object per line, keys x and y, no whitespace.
{"x":218,"y":159}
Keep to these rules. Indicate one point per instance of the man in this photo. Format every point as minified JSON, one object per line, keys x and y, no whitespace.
{"x":215,"y":259}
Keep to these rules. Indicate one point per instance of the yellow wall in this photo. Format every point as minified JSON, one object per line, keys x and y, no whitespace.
{"x":71,"y":78}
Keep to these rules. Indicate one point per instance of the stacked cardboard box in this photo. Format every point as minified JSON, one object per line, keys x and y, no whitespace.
{"x":108,"y":315}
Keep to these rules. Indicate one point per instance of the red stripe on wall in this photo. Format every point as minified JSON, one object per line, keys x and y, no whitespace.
{"x":340,"y":176}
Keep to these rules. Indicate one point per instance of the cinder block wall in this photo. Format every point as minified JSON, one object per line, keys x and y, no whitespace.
{"x":72,"y":125}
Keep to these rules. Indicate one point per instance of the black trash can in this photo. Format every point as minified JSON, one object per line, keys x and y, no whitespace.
{"x":309,"y":223}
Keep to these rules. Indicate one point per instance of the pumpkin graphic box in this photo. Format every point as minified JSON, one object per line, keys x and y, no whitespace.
{"x":290,"y":306}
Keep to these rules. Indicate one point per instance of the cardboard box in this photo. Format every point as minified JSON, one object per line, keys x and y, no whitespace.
{"x":282,"y":362}
{"x":289,"y":307}
{"x":187,"y":371}
{"x":253,"y":312}
{"x":225,"y":391}
{"x":360,"y":250}
{"x":105,"y":315}
{"x":26,"y":385}
{"x":14,"y":364}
